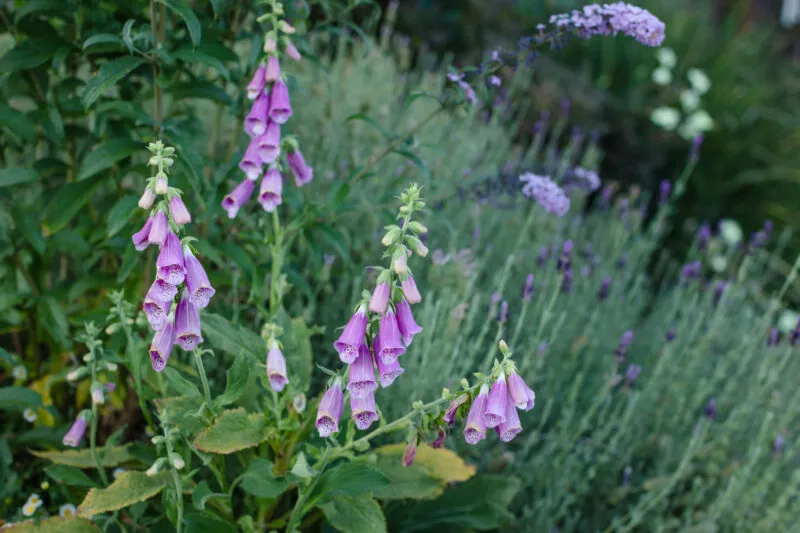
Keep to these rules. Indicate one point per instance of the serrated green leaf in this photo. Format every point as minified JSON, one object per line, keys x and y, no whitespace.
{"x":189,"y":18}
{"x":15,"y":176}
{"x":102,"y":38}
{"x":18,"y":123}
{"x":105,"y":155}
{"x":129,"y":488}
{"x":55,"y":524}
{"x":69,"y":476}
{"x":234,"y":430}
{"x":53,"y":319}
{"x":232,"y":339}
{"x":109,"y":456}
{"x":354,"y":515}
{"x":121,"y":213}
{"x":238,"y":375}
{"x":29,"y":54}
{"x":110,"y":73}
{"x":348,"y":479}
{"x":28,"y":226}
{"x":18,"y":399}
{"x":66,"y":203}
{"x":259,"y":481}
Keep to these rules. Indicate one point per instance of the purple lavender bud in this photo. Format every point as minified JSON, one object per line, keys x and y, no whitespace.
{"x":156,"y":309}
{"x":389,"y":333}
{"x":777,"y":444}
{"x":758,"y":240}
{"x":362,"y":374}
{"x":387,"y":372}
{"x":586,"y":253}
{"x":511,"y":426}
{"x":565,"y":105}
{"x":200,"y":289}
{"x":291,"y":51}
{"x":670,"y":334}
{"x":541,"y":349}
{"x":187,"y":324}
{"x":794,"y":338}
{"x":449,"y":416}
{"x":622,"y":349}
{"x":406,"y":323}
{"x":542,"y":256}
{"x":256,"y":84}
{"x":159,"y":228}
{"x":632,"y":374}
{"x":380,"y":298}
{"x":161,"y":347}
{"x":475,"y":429}
{"x":163,"y":290}
{"x":410,"y":290}
{"x":586,"y":271}
{"x":768,"y":226}
{"x":410,"y":452}
{"x":626,"y":476}
{"x":280,"y":110}
{"x":269,"y":195}
{"x":622,"y":262}
{"x":75,"y":433}
{"x":774,"y":337}
{"x":604,"y":288}
{"x":364,"y":412}
{"x":273,"y":70}
{"x":566,"y":282}
{"x":520,"y":394}
{"x":711,"y":409}
{"x":141,"y":237}
{"x":269,"y":145}
{"x":251,"y":162}
{"x":718,"y":291}
{"x":238,"y":197}
{"x":180,"y":215}
{"x":330,"y":409}
{"x":691,"y":270}
{"x":440,"y":438}
{"x":665,"y":190}
{"x":497,"y":405}
{"x":170,"y":261}
{"x":527,"y":288}
{"x":694,"y":151}
{"x":276,"y":368}
{"x":565,"y":261}
{"x":502,"y":314}
{"x":302,"y":172}
{"x":703,"y":235}
{"x":352,"y":338}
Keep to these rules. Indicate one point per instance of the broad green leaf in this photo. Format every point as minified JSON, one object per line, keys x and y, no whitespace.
{"x":130,"y":487}
{"x":301,"y":467}
{"x":441,"y":463}
{"x":102,"y":38}
{"x":66,"y":203}
{"x":231,"y":338}
{"x":238,"y":256}
{"x":198,"y":56}
{"x":18,"y":123}
{"x":107,"y":154}
{"x":234,"y":430}
{"x":296,"y":340}
{"x":18,"y":399}
{"x":354,"y":515}
{"x":238,"y":375}
{"x":364,"y":118}
{"x":119,"y":215}
{"x":181,"y":410}
{"x":109,"y":456}
{"x":53,"y":319}
{"x":29,"y":54}
{"x":69,"y":476}
{"x":55,"y":524}
{"x":259,"y":481}
{"x":180,"y":384}
{"x":197,"y":89}
{"x":28,"y":225}
{"x":110,"y":73}
{"x":189,"y":18}
{"x":348,"y":479}
{"x":15,"y":176}
{"x":197,"y":522}
{"x":37,"y":6}
{"x":407,"y":483}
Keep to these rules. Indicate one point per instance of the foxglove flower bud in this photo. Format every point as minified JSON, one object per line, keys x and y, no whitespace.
{"x":159,"y":228}
{"x":390,"y":347}
{"x":418,"y":246}
{"x":256,"y":84}
{"x":270,"y":44}
{"x":302,"y":172}
{"x":75,"y":433}
{"x":156,"y":309}
{"x":147,"y":198}
{"x":406,"y":323}
{"x":440,"y":438}
{"x":269,"y":195}
{"x":497,"y":405}
{"x":410,"y":452}
{"x":200,"y":289}
{"x":291,"y":51}
{"x":352,"y":338}
{"x":276,"y":368}
{"x":179,"y":212}
{"x":387,"y":372}
{"x":364,"y":410}
{"x":161,"y":347}
{"x":237,"y":197}
{"x":410,"y":290}
{"x":449,"y":416}
{"x":162,"y":186}
{"x":256,"y":122}
{"x":98,"y":397}
{"x":511,"y":426}
{"x":273,"y":72}
{"x":475,"y":430}
{"x":251,"y":162}
{"x":330,"y":409}
{"x":400,"y":261}
{"x":380,"y":298}
{"x":269,"y":144}
{"x":170,"y":261}
{"x":521,"y":395}
{"x":280,"y":110}
{"x":141,"y":239}
{"x":187,"y":324}
{"x":362,"y":374}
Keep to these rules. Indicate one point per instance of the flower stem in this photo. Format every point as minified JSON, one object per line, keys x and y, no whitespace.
{"x":198,"y":360}
{"x":297,"y":511}
{"x":277,"y":259}
{"x":176,"y":478}
{"x":93,"y":434}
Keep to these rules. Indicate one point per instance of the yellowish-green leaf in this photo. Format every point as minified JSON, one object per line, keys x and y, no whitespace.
{"x":129,"y":488}
{"x":56,"y":524}
{"x":441,"y":463}
{"x":112,"y":456}
{"x":234,"y":430}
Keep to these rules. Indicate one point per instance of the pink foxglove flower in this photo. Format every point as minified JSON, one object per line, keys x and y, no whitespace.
{"x":161,"y":347}
{"x":520,"y":394}
{"x":449,"y":416}
{"x":410,"y":290}
{"x":276,"y":368}
{"x":330,"y":409}
{"x":147,"y":198}
{"x":280,"y":110}
{"x":200,"y":289}
{"x":380,"y":298}
{"x":273,"y":72}
{"x":387,"y":372}
{"x":269,"y":195}
{"x":251,"y":162}
{"x":170,"y":261}
{"x":156,"y":309}
{"x":497,"y":405}
{"x":390,"y":345}
{"x":302,"y":172}
{"x":187,"y":324}
{"x":141,"y":239}
{"x":159,"y":228}
{"x":269,"y":144}
{"x":352,"y":338}
{"x":405,"y":321}
{"x":364,"y":410}
{"x":164,"y":291}
{"x":256,"y":122}
{"x":511,"y":426}
{"x":475,"y":430}
{"x":291,"y":51}
{"x":362,"y":374}
{"x":75,"y":433}
{"x":238,"y":197}
{"x":256,"y":84}
{"x":179,"y":212}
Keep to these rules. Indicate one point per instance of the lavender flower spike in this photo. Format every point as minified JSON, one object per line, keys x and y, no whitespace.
{"x":475,"y":430}
{"x":200,"y":289}
{"x":390,"y":346}
{"x":75,"y":433}
{"x":276,"y":368}
{"x":352,"y":338}
{"x":237,"y":197}
{"x":302,"y":172}
{"x":269,"y":144}
{"x":527,"y":288}
{"x":380,"y":298}
{"x":161,"y":347}
{"x":497,"y":404}
{"x":159,"y":228}
{"x":170,"y":261}
{"x":387,"y":372}
{"x":449,"y":416}
{"x":269,"y":194}
{"x":273,"y":72}
{"x":362,"y":374}
{"x":187,"y":324}
{"x":256,"y":85}
{"x":280,"y":110}
{"x":256,"y":122}
{"x":141,"y":237}
{"x":405,"y":321}
{"x":179,"y":212}
{"x":251,"y":162}
{"x":330,"y":409}
{"x":410,"y":290}
{"x":520,"y":394}
{"x":156,"y":309}
{"x":511,"y":427}
{"x":664,"y":192}
{"x":711,"y":409}
{"x":364,"y":410}
{"x":546,"y":193}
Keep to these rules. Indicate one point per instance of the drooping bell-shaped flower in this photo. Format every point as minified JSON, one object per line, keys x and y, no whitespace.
{"x":75,"y":433}
{"x":269,"y":144}
{"x":352,"y":337}
{"x":280,"y":110}
{"x":380,"y":298}
{"x":387,"y":372}
{"x":187,"y":324}
{"x":273,"y":72}
{"x":291,"y":51}
{"x":330,"y":409}
{"x":163,"y":290}
{"x":410,"y":290}
{"x":256,"y":122}
{"x":276,"y":368}
{"x":161,"y":347}
{"x":391,"y":346}
{"x":170,"y":261}
{"x":147,"y":198}
{"x":509,"y":429}
{"x":200,"y":289}
{"x":497,"y":405}
{"x":475,"y":429}
{"x":406,"y":323}
{"x":156,"y":309}
{"x":159,"y":228}
{"x":179,"y":212}
{"x":362,"y":374}
{"x":302,"y":172}
{"x":364,"y":410}
{"x":238,"y":197}
{"x":256,"y":84}
{"x":520,"y":394}
{"x":269,"y":195}
{"x":141,"y":239}
{"x":450,"y":413}
{"x":251,"y":162}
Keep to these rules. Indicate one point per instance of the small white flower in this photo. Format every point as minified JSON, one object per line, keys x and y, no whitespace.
{"x":662,"y":76}
{"x":667,"y":57}
{"x":116,"y":472}
{"x":34,"y":499}
{"x":72,"y":375}
{"x":788,"y":321}
{"x":97,"y":396}
{"x":719,"y":263}
{"x":701,"y":121}
{"x":699,"y":80}
{"x":154,"y":468}
{"x":67,"y":510}
{"x":29,"y":415}
{"x":690,"y":100}
{"x":666,"y":118}
{"x":19,"y":372}
{"x":731,"y":231}
{"x":28,"y":509}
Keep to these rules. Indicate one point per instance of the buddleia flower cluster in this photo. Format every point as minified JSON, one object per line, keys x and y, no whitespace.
{"x":271,"y":109}
{"x":181,"y":287}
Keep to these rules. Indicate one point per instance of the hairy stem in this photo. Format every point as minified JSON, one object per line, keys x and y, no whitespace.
{"x":93,"y":434}
{"x":157,"y":106}
{"x":201,"y":370}
{"x":277,"y":259}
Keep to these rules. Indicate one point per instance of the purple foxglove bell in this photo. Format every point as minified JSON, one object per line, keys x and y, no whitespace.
{"x":410,"y":452}
{"x":521,"y":395}
{"x":269,"y":195}
{"x":380,"y":298}
{"x":511,"y":426}
{"x":251,"y":162}
{"x":161,"y":347}
{"x":276,"y":368}
{"x":256,"y":122}
{"x":200,"y":289}
{"x":387,"y":372}
{"x":163,"y":290}
{"x":156,"y":309}
{"x":449,"y":416}
{"x":497,"y":405}
{"x":187,"y":324}
{"x":405,"y":321}
{"x":273,"y":72}
{"x":390,"y":346}
{"x":475,"y":430}
{"x":269,"y":144}
{"x":279,"y":107}
{"x":179,"y":212}
{"x":330,"y":409}
{"x":352,"y":338}
{"x":362,"y":374}
{"x":364,"y":410}
{"x":170,"y":261}
{"x":440,"y":438}
{"x":141,"y":238}
{"x":238,"y":197}
{"x":159,"y":228}
{"x":256,"y":85}
{"x":302,"y":172}
{"x":410,"y":290}
{"x":75,"y":433}
{"x":291,"y":51}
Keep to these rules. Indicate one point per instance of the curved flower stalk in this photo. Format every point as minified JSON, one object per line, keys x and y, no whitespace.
{"x":271,"y":109}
